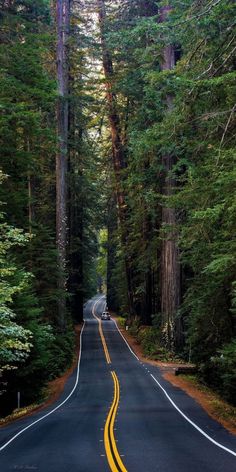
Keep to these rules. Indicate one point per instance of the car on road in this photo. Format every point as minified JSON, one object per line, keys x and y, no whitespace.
{"x":106,"y":316}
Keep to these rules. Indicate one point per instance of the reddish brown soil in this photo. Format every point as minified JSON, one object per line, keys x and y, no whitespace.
{"x":208,"y":400}
{"x":55,"y":387}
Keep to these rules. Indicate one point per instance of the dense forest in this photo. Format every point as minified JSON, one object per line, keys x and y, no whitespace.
{"x":117,"y":136}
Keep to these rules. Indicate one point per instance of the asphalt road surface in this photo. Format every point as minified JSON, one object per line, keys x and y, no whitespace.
{"x":118,"y":414}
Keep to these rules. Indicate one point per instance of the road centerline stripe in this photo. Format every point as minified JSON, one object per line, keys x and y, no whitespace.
{"x":106,"y":352}
{"x":113,"y":456}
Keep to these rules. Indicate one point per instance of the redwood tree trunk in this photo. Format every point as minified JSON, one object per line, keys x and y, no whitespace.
{"x":75,"y":210}
{"x":63,"y":24}
{"x":117,"y":147}
{"x":111,"y":252}
{"x":170,"y":265}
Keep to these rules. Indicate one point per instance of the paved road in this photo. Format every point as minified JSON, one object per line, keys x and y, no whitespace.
{"x":120,"y":415}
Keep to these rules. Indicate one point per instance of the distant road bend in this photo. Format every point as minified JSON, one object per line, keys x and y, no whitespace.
{"x":117,"y":414}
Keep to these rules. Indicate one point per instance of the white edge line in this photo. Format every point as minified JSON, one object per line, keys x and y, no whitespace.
{"x":191,"y":422}
{"x":177,"y":408}
{"x":55,"y":409}
{"x":127,"y":344}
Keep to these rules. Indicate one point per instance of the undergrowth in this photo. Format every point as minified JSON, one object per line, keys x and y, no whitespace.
{"x":149,"y":337}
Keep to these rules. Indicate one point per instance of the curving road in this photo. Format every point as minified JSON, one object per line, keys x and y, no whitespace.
{"x":117,"y":414}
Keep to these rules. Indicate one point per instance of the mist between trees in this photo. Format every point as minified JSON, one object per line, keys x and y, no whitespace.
{"x":117,"y":135}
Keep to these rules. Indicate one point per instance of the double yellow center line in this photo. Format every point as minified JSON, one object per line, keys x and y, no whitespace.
{"x":113,"y":456}
{"x":114,"y":459}
{"x":107,"y":355}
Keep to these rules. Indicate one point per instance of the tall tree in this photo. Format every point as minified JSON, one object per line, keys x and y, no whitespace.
{"x":119,"y":163}
{"x":111,"y":252}
{"x":170,"y":264}
{"x":63,"y":29}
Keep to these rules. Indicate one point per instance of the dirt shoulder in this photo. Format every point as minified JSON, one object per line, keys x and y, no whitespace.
{"x":53,"y":389}
{"x":217,"y":408}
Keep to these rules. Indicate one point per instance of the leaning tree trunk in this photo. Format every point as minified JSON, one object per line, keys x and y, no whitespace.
{"x":117,"y":148}
{"x":170,"y":265}
{"x":63,"y":24}
{"x":111,"y":252}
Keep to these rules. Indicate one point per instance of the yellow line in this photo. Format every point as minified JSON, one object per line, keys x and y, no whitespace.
{"x":106,"y":352}
{"x":112,"y":453}
{"x":106,"y":434}
{"x":104,"y":344}
{"x":120,"y":463}
{"x":113,"y":457}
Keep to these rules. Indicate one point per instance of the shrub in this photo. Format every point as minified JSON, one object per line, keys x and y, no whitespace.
{"x":224,"y":368}
{"x":149,"y":338}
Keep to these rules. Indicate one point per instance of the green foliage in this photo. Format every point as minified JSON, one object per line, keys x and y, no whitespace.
{"x":27,"y":138}
{"x":28,"y":257}
{"x":15,"y":341}
{"x":25,"y":341}
{"x":220,"y":372}
{"x":150,"y":339}
{"x":122,"y":321}
{"x":51,"y":355}
{"x":203,"y":138}
{"x":61,"y":353}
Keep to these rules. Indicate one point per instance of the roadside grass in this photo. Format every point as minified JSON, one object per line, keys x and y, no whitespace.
{"x":121,"y":321}
{"x":224,"y":409}
{"x":19,"y":413}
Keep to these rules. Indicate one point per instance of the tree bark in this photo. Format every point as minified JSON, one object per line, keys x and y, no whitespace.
{"x":63,"y":27}
{"x":75,"y":169}
{"x":170,"y":265}
{"x":117,"y":147}
{"x":111,"y":253}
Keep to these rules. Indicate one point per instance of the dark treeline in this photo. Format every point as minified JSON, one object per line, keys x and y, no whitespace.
{"x":117,"y":127}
